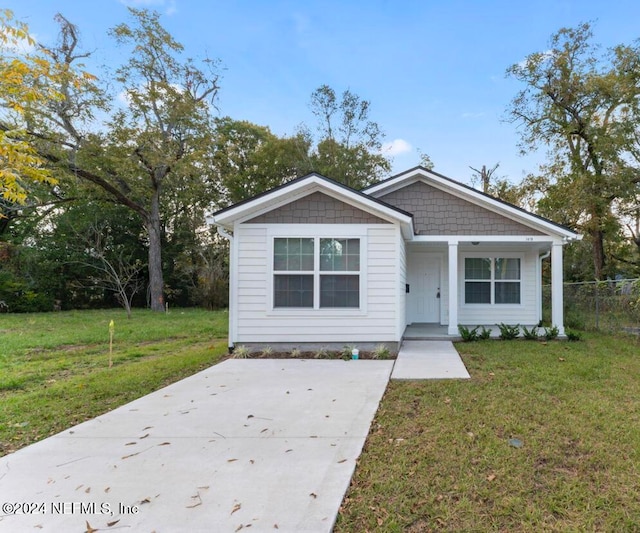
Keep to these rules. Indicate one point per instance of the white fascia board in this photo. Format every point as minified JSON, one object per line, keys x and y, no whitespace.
{"x":488,"y":238}
{"x":464,"y":193}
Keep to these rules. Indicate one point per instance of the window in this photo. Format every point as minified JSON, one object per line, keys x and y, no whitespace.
{"x":340,"y":290}
{"x":293,"y":272}
{"x":489,"y":280}
{"x":316,"y":272}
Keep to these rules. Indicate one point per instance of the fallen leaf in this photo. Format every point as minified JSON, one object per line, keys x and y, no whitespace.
{"x":89,"y":528}
{"x":236,"y":507}
{"x":251,"y":461}
{"x":231,"y":460}
{"x":239,"y":527}
{"x":144,"y":436}
{"x":164,"y":444}
{"x":265,"y":429}
{"x":198,"y":502}
{"x":130,"y":455}
{"x":130,"y":443}
{"x":342,"y":461}
{"x":146,"y":500}
{"x":250,"y":416}
{"x":313,"y":495}
{"x":447,"y":400}
{"x":439,"y":498}
{"x":491,"y":374}
{"x":111,"y":524}
{"x":148,"y":427}
{"x":87,"y":490}
{"x":289,"y":450}
{"x":561,"y":359}
{"x":107,"y":489}
{"x":491,"y":477}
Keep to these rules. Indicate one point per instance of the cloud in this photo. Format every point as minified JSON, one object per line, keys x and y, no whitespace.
{"x":396,"y":147}
{"x":547,"y":54}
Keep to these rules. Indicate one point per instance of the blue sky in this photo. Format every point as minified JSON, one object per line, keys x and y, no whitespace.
{"x":434,"y":71}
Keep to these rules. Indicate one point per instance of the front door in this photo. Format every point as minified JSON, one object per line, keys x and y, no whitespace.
{"x":423,"y":278}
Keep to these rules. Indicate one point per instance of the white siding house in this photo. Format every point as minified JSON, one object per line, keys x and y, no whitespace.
{"x":315,"y":262}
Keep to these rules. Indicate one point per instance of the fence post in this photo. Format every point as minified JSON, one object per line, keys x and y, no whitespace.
{"x":597,"y":306}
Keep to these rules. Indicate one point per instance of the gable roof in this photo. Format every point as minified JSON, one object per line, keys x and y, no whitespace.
{"x":303,"y":186}
{"x":465,"y":192}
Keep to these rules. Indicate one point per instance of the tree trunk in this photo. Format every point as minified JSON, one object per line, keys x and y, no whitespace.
{"x":597,"y":238}
{"x":156,"y":282}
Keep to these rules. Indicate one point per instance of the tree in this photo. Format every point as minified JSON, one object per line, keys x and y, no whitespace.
{"x":156,"y":144}
{"x":497,"y":187}
{"x":249,"y":159}
{"x":584,"y":107}
{"x":349,"y":148}
{"x":20,"y":164}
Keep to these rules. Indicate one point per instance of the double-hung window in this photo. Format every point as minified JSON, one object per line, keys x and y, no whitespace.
{"x":492,"y":280}
{"x":316,"y":272}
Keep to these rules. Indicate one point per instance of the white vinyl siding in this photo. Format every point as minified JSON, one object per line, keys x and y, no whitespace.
{"x":375,"y":319}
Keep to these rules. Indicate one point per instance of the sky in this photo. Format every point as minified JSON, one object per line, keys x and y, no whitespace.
{"x":433,"y":70}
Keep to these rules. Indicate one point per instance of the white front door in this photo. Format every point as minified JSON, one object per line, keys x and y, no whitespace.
{"x":423,"y":279}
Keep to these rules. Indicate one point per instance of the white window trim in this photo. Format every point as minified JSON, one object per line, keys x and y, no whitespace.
{"x":317,"y":232}
{"x":494,"y":256}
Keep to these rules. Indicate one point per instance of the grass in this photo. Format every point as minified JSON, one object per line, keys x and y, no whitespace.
{"x":439,"y":457}
{"x":54,"y":367}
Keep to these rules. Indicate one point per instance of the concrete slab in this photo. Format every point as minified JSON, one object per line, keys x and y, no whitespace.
{"x":429,"y":360}
{"x":270,"y":444}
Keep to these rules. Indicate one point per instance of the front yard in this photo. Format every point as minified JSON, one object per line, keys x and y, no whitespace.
{"x":544,"y":437}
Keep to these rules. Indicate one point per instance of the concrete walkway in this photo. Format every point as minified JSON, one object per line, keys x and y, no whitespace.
{"x":428,"y":360}
{"x":266,"y":444}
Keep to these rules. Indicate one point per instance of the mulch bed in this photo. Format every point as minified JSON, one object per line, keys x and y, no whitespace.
{"x":314,"y":355}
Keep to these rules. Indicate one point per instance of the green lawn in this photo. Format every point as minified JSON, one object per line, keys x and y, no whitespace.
{"x":54,"y":367}
{"x":439,"y":456}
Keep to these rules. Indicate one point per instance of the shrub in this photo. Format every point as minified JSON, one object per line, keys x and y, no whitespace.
{"x":322,"y":353}
{"x":267,"y":351}
{"x":240,"y":352}
{"x":551,"y":333}
{"x":468,"y":335}
{"x":347,"y":349}
{"x":508,"y":332}
{"x":530,"y":334}
{"x":380,"y":352}
{"x":484,"y":334}
{"x":573,"y":336}
{"x":296,"y":352}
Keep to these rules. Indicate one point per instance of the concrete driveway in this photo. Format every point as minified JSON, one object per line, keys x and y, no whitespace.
{"x":265,"y":444}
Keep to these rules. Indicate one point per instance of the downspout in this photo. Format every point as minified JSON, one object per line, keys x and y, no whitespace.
{"x":232,"y":283}
{"x":541,"y":258}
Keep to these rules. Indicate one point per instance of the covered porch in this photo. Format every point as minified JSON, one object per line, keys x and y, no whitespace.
{"x":479,"y":280}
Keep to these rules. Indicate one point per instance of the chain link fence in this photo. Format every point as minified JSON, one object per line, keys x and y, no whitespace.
{"x":612,"y":305}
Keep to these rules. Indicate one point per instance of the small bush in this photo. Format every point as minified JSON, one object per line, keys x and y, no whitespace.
{"x":468,"y":335}
{"x":296,"y":352}
{"x":508,"y":332}
{"x":347,"y":349}
{"x":322,"y":353}
{"x":240,"y":352}
{"x":530,"y":334}
{"x":573,"y":336}
{"x":551,"y":333}
{"x":484,"y":334}
{"x":267,"y":351}
{"x":380,"y":352}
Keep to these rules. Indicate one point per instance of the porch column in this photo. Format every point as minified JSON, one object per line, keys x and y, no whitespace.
{"x":453,"y":288}
{"x":557,"y":306}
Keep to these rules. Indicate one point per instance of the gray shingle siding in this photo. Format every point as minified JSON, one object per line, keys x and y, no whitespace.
{"x":317,"y":208}
{"x":436,"y":212}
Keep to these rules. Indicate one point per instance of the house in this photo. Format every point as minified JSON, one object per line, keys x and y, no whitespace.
{"x":314,"y":261}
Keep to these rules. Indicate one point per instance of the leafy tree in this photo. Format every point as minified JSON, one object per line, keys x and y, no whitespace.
{"x":20,"y":164}
{"x":583,"y":106}
{"x":157,"y":144}
{"x":349,"y":146}
{"x":249,"y":159}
